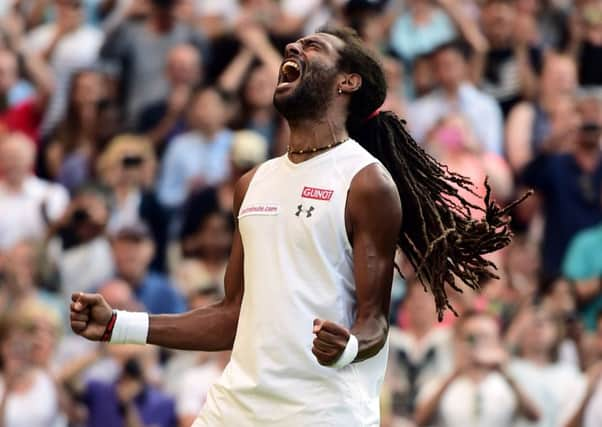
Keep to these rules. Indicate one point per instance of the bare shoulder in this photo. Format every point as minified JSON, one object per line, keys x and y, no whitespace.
{"x":240,"y":190}
{"x":373,"y":196}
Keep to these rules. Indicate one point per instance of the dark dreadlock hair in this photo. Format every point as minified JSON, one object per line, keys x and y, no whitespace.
{"x":438,"y":234}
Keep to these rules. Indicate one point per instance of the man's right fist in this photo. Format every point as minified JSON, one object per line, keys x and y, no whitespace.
{"x":90,"y":314}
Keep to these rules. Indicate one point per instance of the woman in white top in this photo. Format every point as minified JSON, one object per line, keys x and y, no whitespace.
{"x":28,"y":396}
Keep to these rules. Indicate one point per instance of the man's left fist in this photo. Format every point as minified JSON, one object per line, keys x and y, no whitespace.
{"x":330,"y":342}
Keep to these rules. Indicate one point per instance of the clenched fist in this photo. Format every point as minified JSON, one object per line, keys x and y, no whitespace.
{"x":90,"y":314}
{"x":330,"y":342}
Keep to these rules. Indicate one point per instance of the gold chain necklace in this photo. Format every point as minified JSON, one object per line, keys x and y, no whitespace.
{"x":318,"y":149}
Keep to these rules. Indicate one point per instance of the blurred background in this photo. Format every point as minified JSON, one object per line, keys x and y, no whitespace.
{"x":124,"y":125}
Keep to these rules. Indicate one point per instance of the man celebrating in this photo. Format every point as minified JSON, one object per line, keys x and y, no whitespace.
{"x":314,"y":245}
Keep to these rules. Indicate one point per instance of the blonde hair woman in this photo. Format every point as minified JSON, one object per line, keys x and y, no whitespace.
{"x":127,"y":167}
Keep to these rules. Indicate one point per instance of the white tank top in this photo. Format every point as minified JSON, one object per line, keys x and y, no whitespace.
{"x":298,"y":266}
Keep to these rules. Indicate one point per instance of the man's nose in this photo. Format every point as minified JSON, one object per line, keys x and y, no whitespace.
{"x":292,"y":49}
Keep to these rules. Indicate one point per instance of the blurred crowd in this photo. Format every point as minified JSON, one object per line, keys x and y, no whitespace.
{"x":124,"y":125}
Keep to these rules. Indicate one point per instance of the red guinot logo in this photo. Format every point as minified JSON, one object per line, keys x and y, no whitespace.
{"x":316,"y":193}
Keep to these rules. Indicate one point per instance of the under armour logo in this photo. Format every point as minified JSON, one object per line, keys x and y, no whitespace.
{"x":307,"y":211}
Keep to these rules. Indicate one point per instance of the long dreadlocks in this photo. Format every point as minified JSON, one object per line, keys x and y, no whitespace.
{"x":438,"y":235}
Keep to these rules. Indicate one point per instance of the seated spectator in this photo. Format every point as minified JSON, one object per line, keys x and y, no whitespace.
{"x":570,"y":182}
{"x":550,"y":119}
{"x":513,"y":61}
{"x":479,"y":392}
{"x":457,"y":94}
{"x":68,"y":155}
{"x":419,"y":349}
{"x":164,"y":119}
{"x":27,"y":202}
{"x":68,"y":44}
{"x":199,"y":157}
{"x":77,"y":248}
{"x":143,"y":76}
{"x":583,"y":267}
{"x":549,"y":382}
{"x":127,"y":167}
{"x":28,"y":396}
{"x":133,"y":250}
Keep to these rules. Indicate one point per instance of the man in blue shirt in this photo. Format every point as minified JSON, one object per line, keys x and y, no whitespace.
{"x":570,"y":186}
{"x":133,"y":250}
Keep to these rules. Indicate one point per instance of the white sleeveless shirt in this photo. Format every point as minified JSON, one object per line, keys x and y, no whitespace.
{"x":298,"y":266}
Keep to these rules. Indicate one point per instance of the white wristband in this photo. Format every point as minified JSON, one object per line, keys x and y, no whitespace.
{"x":349,"y":354}
{"x":130,"y":328}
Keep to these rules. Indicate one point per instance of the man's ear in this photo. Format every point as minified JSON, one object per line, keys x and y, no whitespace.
{"x":350,"y":82}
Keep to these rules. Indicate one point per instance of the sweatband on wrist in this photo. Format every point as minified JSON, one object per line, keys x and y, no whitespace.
{"x":130,"y":327}
{"x":349,"y":354}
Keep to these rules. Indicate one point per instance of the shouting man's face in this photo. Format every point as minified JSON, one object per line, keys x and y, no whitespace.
{"x":307,"y":78}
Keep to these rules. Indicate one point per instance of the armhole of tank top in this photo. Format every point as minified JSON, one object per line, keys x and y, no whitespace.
{"x":368,"y":162}
{"x":255,"y":176}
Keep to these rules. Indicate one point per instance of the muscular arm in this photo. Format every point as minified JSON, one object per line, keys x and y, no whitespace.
{"x":209,"y":328}
{"x":373,"y":224}
{"x":373,"y":221}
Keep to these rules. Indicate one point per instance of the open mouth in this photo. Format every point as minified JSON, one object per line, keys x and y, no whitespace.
{"x":290,"y":71}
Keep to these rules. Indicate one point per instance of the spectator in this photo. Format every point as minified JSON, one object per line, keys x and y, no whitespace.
{"x":206,"y":253}
{"x":68,"y":156}
{"x":27,"y":202}
{"x":583,"y":266}
{"x":248,"y":150}
{"x":68,"y":44}
{"x":586,"y":42}
{"x":133,"y":250}
{"x":130,"y":401}
{"x":164,"y":119}
{"x":570,"y":182}
{"x":20,"y":287}
{"x":456,"y":93}
{"x":194,"y":381}
{"x":420,"y":29}
{"x":28,"y":395}
{"x":586,"y":406}
{"x":199,"y":157}
{"x":77,"y":248}
{"x":489,"y":395}
{"x":550,"y":119}
{"x":452,"y":142}
{"x":513,"y":62}
{"x":142,"y":75}
{"x":550,"y":383}
{"x":419,"y":349}
{"x":127,"y":167}
{"x":13,"y":90}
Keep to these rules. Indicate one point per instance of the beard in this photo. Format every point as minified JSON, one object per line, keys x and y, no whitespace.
{"x":312,"y":96}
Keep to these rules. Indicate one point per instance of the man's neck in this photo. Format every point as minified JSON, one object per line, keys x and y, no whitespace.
{"x":537,"y":356}
{"x":13,"y":185}
{"x":315,"y":133}
{"x":587,"y":159}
